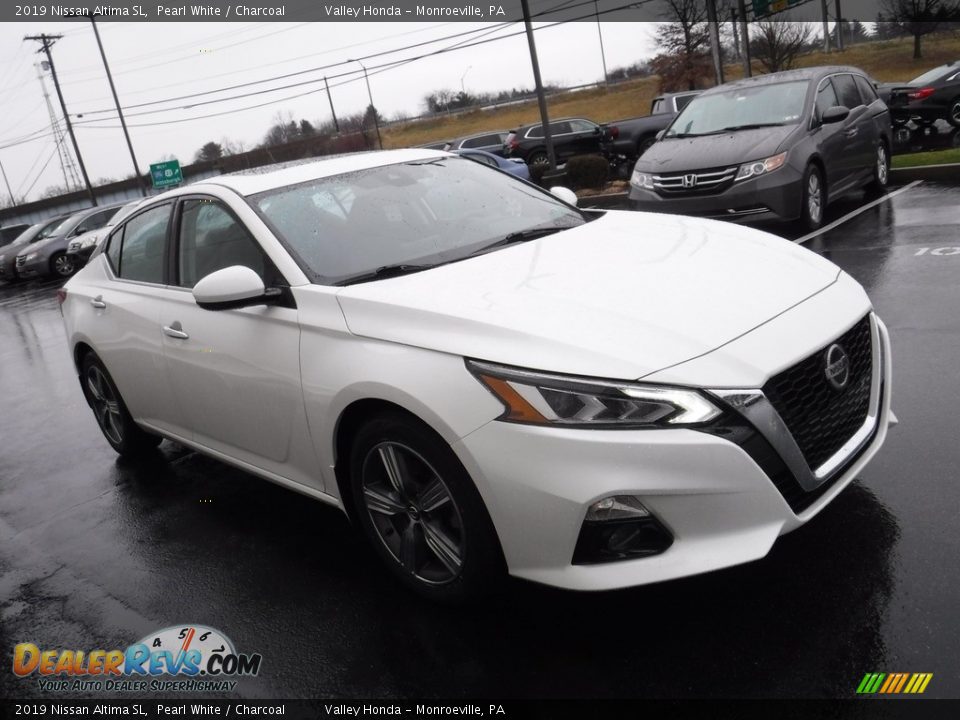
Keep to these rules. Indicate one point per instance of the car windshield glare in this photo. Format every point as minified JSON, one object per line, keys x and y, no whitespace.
{"x":419,"y":213}
{"x":777,"y":104}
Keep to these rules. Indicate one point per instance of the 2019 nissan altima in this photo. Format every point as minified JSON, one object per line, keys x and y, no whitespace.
{"x":585,"y":399}
{"x":780,"y":146}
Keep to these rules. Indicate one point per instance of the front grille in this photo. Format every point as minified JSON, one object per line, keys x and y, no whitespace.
{"x":821,"y":418}
{"x":695,"y":182}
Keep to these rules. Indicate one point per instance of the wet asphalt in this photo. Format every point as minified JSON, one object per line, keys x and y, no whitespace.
{"x":96,"y":552}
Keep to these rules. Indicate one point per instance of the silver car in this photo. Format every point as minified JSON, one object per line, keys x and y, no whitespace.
{"x":49,"y":256}
{"x":82,"y":246}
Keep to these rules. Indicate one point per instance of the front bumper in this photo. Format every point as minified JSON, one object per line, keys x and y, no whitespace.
{"x":33,"y":268}
{"x":774,"y":196}
{"x":721,"y":508}
{"x":81,"y":255}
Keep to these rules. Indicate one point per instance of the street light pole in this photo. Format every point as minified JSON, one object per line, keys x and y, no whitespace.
{"x":603,"y":55}
{"x":463,"y":88}
{"x":373,"y":107}
{"x":541,"y":97}
{"x":116,"y":100}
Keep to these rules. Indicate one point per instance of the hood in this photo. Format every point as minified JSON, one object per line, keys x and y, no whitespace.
{"x":95,"y":235}
{"x":696,"y":153}
{"x":620,"y":297}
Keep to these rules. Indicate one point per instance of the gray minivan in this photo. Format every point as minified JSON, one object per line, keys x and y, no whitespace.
{"x":49,"y":256}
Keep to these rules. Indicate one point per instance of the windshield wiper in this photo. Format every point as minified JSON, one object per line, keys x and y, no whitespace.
{"x":750,"y":126}
{"x":387,"y":271}
{"x":522,"y":236}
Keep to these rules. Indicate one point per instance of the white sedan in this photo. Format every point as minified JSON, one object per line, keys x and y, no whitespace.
{"x":483,"y":377}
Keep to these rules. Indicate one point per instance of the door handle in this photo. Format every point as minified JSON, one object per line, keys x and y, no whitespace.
{"x":98,"y":302}
{"x":175,"y":330}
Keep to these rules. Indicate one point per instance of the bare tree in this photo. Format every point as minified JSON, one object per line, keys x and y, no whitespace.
{"x":777,"y":44}
{"x":919,"y":17}
{"x":684,"y":44}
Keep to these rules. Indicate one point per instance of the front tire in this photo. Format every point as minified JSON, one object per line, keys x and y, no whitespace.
{"x":814,"y":198}
{"x":421,"y":512}
{"x":62,"y":265}
{"x":116,"y":424}
{"x":538,"y":157}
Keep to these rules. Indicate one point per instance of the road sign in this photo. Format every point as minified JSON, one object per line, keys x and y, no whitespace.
{"x":763,"y":8}
{"x":166,"y":174}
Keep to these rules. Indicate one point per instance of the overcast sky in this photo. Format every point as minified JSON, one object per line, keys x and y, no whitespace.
{"x":158,"y":61}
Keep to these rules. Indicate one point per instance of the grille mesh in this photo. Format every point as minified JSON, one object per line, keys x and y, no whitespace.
{"x":821,"y":418}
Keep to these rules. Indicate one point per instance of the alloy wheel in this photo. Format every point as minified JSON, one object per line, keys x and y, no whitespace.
{"x":63,"y":265}
{"x":882,"y":168}
{"x":814,"y":199}
{"x":955,"y":113}
{"x":106,"y":407}
{"x":413,"y":512}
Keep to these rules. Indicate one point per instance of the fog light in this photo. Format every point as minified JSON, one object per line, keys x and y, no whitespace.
{"x":619,"y":528}
{"x":616,"y":507}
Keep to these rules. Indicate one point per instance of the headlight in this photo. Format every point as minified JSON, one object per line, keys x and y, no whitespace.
{"x":535,"y":398}
{"x":642,"y":180}
{"x":89,"y":242}
{"x":761,"y":167}
{"x":31,"y":256}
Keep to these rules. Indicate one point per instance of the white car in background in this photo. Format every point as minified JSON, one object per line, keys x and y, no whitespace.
{"x":483,"y":377}
{"x":81,"y":247}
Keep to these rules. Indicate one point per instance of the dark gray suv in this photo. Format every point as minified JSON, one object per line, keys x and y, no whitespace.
{"x":779,"y":146}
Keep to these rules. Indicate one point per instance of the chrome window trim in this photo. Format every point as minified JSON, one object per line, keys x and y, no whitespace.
{"x":754,"y":405}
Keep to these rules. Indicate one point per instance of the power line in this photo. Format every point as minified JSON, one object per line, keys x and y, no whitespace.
{"x":40,"y":174}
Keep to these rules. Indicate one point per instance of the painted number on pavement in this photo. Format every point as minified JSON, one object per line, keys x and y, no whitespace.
{"x":940,"y":251}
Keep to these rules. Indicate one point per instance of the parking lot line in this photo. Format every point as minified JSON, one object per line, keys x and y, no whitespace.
{"x":854,"y":213}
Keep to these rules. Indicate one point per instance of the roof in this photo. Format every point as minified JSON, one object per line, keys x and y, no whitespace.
{"x":269,"y":177}
{"x":812,"y":73}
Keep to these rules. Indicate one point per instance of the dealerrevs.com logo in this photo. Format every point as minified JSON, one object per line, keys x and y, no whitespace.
{"x":181,"y":658}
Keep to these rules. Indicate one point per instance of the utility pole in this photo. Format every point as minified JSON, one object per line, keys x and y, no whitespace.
{"x":714,"y":27}
{"x":330,"y":100}
{"x":745,"y":38}
{"x":47,"y":42}
{"x":603,"y":55}
{"x":541,"y":98}
{"x":13,"y":200}
{"x":826,"y":25}
{"x":373,"y":107}
{"x":116,"y":101}
{"x":839,"y":27}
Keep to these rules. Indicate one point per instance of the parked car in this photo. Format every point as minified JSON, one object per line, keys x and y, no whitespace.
{"x":491,"y":142}
{"x":441,"y":145}
{"x":629,"y":139}
{"x":464,"y":383}
{"x":779,"y":146}
{"x":49,"y":256}
{"x":81,"y":247}
{"x":571,"y":136}
{"x":33,"y":234}
{"x":514,"y":166}
{"x":9,"y":233}
{"x":932,"y":96}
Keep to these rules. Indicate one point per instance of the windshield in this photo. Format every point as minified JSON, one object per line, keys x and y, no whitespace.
{"x":61,"y":228}
{"x":421,"y":213}
{"x":740,"y":108}
{"x":123,"y":212}
{"x":930,"y":76}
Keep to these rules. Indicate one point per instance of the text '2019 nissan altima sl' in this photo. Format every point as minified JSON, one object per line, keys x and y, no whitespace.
{"x":485,"y":378}
{"x":780,"y":146}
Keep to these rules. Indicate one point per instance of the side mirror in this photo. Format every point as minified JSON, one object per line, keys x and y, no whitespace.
{"x":661,"y":134}
{"x":596,"y":129}
{"x":233,"y":287}
{"x":838,"y":113}
{"x":565,"y":194}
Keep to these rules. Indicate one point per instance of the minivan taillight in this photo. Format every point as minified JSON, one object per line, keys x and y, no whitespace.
{"x":922,"y":93}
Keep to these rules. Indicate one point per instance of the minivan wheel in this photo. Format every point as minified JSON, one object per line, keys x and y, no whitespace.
{"x":881,"y":169}
{"x":814,"y":198}
{"x":118,"y":427}
{"x":421,"y":512}
{"x":62,"y":265}
{"x":953,"y":114}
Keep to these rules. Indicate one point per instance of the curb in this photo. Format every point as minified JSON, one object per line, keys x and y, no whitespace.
{"x":950,"y":172}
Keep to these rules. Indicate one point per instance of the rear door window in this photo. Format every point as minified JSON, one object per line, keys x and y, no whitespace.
{"x":867,"y":92}
{"x":847,"y":91}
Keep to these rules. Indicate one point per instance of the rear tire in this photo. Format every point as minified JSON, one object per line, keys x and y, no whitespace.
{"x":813,"y":202}
{"x":421,"y":512}
{"x":881,"y":170}
{"x":116,"y":424}
{"x":953,"y":113}
{"x":538,"y":157}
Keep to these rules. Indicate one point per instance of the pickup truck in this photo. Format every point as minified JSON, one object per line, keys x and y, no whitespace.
{"x":629,"y":139}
